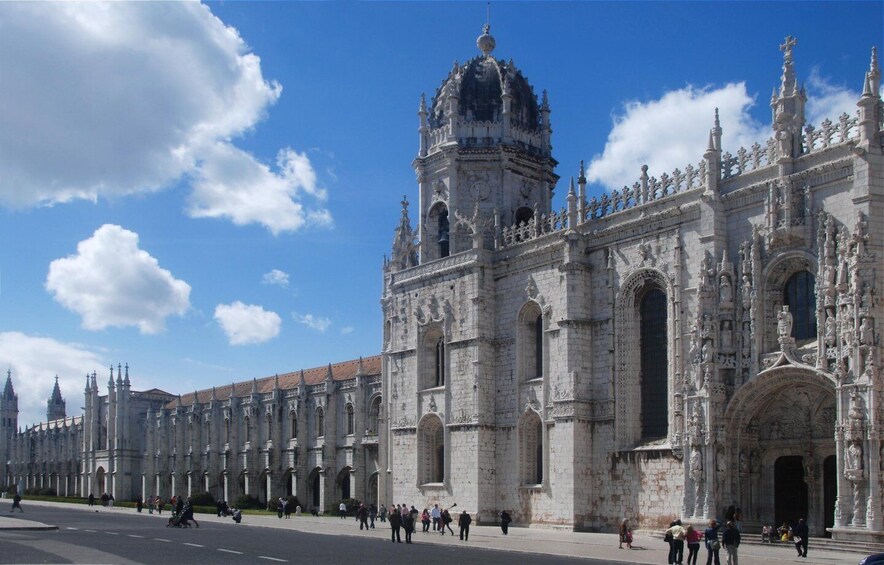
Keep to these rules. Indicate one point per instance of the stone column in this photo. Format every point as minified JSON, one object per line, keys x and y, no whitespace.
{"x":269,"y":485}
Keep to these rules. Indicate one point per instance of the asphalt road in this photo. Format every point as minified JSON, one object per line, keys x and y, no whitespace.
{"x":102,"y":537}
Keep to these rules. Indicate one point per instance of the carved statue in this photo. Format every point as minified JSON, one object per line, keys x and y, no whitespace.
{"x":707,"y":352}
{"x":784,"y":322}
{"x":696,"y":463}
{"x":726,"y":293}
{"x":866,"y":333}
{"x":727,"y":335}
{"x":831,"y":330}
{"x":853,"y":460}
{"x":707,"y":331}
{"x":747,"y":334}
{"x":694,"y":352}
{"x":744,"y":462}
{"x":747,"y":292}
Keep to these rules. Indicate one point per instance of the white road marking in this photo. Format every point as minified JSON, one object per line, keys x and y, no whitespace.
{"x":134,"y":536}
{"x":161,"y":539}
{"x":230,"y":551}
{"x":70,"y":528}
{"x":272,"y":559}
{"x":112,"y":533}
{"x":194,"y":544}
{"x":93,"y":531}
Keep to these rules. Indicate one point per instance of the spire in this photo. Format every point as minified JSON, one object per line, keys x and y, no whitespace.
{"x":119,"y":374}
{"x":360,"y":368}
{"x":214,"y":396}
{"x":424,"y":127}
{"x":110,"y":381}
{"x":55,"y":397}
{"x":8,"y":390}
{"x":126,"y":380}
{"x":232,"y":390}
{"x":787,"y":83}
{"x":329,"y":376}
{"x":88,"y":388}
{"x":404,"y":253}
{"x":254,"y":386}
{"x":94,"y":381}
{"x":276,"y":381}
{"x":302,"y":382}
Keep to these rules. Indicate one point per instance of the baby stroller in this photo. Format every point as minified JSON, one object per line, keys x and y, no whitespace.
{"x":178,"y":521}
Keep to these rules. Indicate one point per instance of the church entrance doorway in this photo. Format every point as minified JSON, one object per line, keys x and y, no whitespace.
{"x":830,"y":493}
{"x":314,"y":491}
{"x":99,"y":479}
{"x":790,"y":490}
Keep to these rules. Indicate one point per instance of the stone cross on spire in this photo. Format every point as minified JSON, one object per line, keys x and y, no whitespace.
{"x":788,"y":83}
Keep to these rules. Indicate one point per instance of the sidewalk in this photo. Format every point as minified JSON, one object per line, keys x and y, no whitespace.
{"x":529,"y":540}
{"x":20,"y":524}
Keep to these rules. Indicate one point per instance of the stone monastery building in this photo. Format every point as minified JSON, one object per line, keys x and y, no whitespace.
{"x":706,"y":337}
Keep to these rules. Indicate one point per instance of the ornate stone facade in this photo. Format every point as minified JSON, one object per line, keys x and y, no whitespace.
{"x":702,"y":339}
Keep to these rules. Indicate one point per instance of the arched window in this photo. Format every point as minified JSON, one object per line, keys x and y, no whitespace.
{"x":320,"y":423}
{"x":799,"y":295}
{"x":431,"y":451}
{"x":443,"y":234}
{"x":531,"y":449}
{"x":524,"y":215}
{"x":293,"y":417}
{"x":530,"y":343}
{"x":351,"y":420}
{"x":374,"y":416}
{"x":247,"y":429}
{"x":227,"y":430}
{"x":440,"y":362}
{"x":654,"y":377}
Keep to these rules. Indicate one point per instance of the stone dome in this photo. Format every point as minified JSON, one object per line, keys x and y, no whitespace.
{"x":479,"y":86}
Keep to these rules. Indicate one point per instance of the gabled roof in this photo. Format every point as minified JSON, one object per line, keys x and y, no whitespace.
{"x":342,"y":371}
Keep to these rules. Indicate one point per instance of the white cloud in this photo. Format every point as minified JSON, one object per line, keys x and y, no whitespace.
{"x":106,"y":99}
{"x":346,"y":330}
{"x":313,"y":322}
{"x":825,"y":100}
{"x":673,"y":131}
{"x":230,"y":183}
{"x":246,"y":324}
{"x":277,"y":277}
{"x":110,"y":282}
{"x":34,"y":363}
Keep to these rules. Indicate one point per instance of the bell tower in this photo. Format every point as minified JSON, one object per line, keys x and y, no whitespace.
{"x":484,"y":154}
{"x":55,"y":406}
{"x":8,"y":423}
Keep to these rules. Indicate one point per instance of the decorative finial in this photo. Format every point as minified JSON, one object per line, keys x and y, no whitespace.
{"x":485,"y":42}
{"x":717,"y":121}
{"x":787,"y":88}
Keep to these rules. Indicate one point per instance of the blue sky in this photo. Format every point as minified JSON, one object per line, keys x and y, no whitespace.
{"x":206,"y":192}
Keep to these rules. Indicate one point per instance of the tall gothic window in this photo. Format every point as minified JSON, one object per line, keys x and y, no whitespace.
{"x":351,"y":420}
{"x":293,"y":416}
{"x":374,"y":416}
{"x":443,"y":234}
{"x":440,"y":362}
{"x":654,"y":377}
{"x":247,"y":429}
{"x":799,"y":295}
{"x":530,"y":342}
{"x":320,"y":423}
{"x":531,"y":449}
{"x":432,"y":451}
{"x":538,"y":346}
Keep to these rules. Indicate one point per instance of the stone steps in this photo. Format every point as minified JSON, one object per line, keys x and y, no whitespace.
{"x":815,"y":543}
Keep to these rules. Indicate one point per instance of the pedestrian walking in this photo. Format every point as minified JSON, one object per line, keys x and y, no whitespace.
{"x":372,"y":514}
{"x":138,"y":504}
{"x":800,"y":533}
{"x":446,"y":522}
{"x":286,"y":509}
{"x":16,"y":503}
{"x":436,"y":516}
{"x":279,"y":508}
{"x":110,"y":501}
{"x":425,"y":520}
{"x":730,"y":539}
{"x":187,"y":513}
{"x":382,"y":513}
{"x":713,"y":546}
{"x":408,"y":525}
{"x":395,"y":525}
{"x":625,"y":534}
{"x":692,"y":538}
{"x":505,"y":520}
{"x":342,"y":510}
{"x":676,"y":535}
{"x":464,"y":522}
{"x":150,"y":504}
{"x":91,"y":499}
{"x":160,"y":505}
{"x":362,"y":515}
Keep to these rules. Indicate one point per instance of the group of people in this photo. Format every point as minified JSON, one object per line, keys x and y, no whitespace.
{"x":403,"y":517}
{"x":677,"y":535}
{"x":797,"y":535}
{"x":107,"y":500}
{"x":284,"y":509}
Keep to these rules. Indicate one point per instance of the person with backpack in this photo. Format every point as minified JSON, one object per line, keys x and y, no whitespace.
{"x":731,"y":542}
{"x":505,"y":520}
{"x":395,"y":525}
{"x":446,"y":522}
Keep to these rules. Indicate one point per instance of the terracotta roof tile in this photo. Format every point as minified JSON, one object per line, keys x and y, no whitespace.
{"x":343,"y":371}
